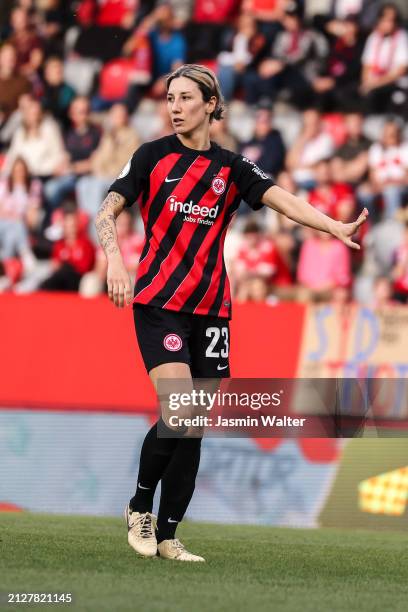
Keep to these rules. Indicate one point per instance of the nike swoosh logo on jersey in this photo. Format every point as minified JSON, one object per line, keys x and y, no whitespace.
{"x":167,"y":180}
{"x":219,"y":367}
{"x":171,"y":521}
{"x":140,"y":487}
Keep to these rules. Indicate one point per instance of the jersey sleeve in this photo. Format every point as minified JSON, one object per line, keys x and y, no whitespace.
{"x":252,"y":182}
{"x":134,"y":178}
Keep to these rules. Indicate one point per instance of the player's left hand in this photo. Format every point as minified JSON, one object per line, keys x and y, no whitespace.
{"x":345,"y":231}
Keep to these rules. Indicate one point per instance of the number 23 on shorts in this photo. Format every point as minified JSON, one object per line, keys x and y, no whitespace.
{"x":214,"y":349}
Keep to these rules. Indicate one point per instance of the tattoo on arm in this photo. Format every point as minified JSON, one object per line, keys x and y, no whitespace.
{"x":105,"y":222}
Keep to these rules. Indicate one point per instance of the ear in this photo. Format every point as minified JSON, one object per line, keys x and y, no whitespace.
{"x":211,"y":105}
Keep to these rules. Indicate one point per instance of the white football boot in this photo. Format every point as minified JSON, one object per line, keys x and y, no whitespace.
{"x":174,"y":549}
{"x":141,"y":532}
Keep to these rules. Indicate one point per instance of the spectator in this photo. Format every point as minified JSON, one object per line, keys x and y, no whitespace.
{"x":139,"y":48}
{"x":337,"y":85}
{"x":131,"y":245}
{"x":400,"y":270}
{"x":168,"y":47}
{"x":57,"y":95}
{"x":266,"y":148}
{"x":102,"y":35}
{"x":219,"y":133}
{"x":341,"y":301}
{"x":246,"y":43}
{"x":116,"y":147}
{"x":382,"y":293}
{"x":165,"y":126}
{"x":8,"y":129}
{"x":53,"y":18}
{"x":324,"y":264}
{"x":282,"y":285}
{"x":38,"y":141}
{"x":385,"y":61}
{"x":292,"y":65}
{"x":337,"y":11}
{"x":268,"y":14}
{"x":34,"y":71}
{"x":12,"y":84}
{"x":18,"y":193}
{"x":312,"y":145}
{"x":350,"y":161}
{"x":206,"y":31}
{"x":182,"y":10}
{"x":333,"y":199}
{"x":380,"y":245}
{"x":23,"y":38}
{"x":388,"y":165}
{"x":40,"y":245}
{"x":81,"y":139}
{"x":257,"y":266}
{"x":72,"y":257}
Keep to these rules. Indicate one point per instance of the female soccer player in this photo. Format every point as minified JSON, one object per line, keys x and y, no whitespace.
{"x":188,"y":189}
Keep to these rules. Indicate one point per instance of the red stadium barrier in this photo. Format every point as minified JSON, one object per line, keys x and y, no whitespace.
{"x":63,"y":352}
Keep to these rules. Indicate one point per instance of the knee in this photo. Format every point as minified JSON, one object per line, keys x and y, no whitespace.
{"x":165,"y":430}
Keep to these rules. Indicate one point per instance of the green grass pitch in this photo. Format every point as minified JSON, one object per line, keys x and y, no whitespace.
{"x":248,"y":568}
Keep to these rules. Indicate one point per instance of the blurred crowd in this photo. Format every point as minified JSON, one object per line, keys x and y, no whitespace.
{"x":317,"y":94}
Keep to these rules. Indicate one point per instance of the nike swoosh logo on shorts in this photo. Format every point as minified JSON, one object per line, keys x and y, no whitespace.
{"x":219,"y":367}
{"x":140,"y":487}
{"x":171,"y":521}
{"x":167,"y":180}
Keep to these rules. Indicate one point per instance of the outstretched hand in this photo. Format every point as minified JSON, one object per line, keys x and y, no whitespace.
{"x":345,"y":231}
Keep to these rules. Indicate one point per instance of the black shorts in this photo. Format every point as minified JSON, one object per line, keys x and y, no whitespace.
{"x":166,"y":336}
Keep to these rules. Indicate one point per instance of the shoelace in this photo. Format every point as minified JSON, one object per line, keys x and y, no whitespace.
{"x":178,"y":545}
{"x":144,"y":522}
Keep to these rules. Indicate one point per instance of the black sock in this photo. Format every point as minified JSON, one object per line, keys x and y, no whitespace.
{"x":177,"y":486}
{"x":154,"y":458}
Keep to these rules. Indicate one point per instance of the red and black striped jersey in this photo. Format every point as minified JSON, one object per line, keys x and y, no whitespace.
{"x":187,"y":199}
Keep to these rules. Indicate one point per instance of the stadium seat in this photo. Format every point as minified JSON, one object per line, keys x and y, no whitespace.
{"x":114,"y":79}
{"x":210,"y":63}
{"x":80,"y":73}
{"x":334,"y":125}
